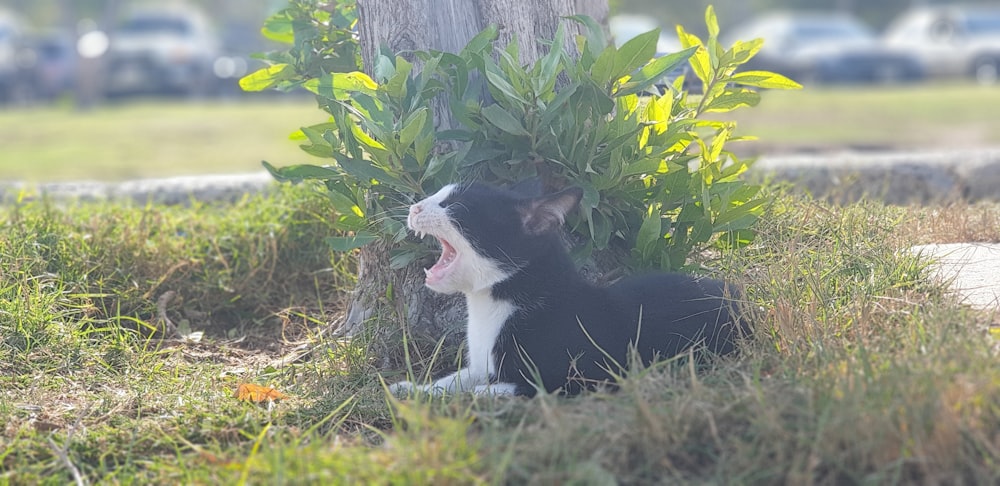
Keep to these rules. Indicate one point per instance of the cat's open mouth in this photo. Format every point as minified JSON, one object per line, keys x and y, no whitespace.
{"x":437,"y":272}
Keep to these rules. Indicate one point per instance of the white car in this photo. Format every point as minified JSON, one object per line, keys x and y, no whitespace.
{"x":951,"y":41}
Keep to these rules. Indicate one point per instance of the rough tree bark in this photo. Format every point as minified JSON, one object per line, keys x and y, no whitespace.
{"x":445,"y":25}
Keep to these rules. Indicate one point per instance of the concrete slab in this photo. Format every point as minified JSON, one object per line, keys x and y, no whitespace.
{"x":972,"y":268}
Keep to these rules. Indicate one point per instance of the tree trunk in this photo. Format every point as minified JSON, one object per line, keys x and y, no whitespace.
{"x":386,"y":296}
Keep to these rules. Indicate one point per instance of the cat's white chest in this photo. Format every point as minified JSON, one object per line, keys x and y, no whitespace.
{"x":486,"y":318}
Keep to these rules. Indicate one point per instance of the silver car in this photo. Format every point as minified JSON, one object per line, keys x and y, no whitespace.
{"x":824,"y":47}
{"x":162,"y":49}
{"x":951,"y":41}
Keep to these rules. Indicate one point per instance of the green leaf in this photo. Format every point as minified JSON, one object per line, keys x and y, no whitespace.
{"x":371,"y":110}
{"x":412,"y":127}
{"x":649,"y":232}
{"x":340,"y":86}
{"x":601,"y":229}
{"x":372,"y":145}
{"x":480,"y":42}
{"x":396,"y":85}
{"x":322,"y":142}
{"x":422,"y":148}
{"x":428,"y":71}
{"x":701,"y":231}
{"x":645,"y":166}
{"x":654,"y":72}
{"x":712,"y":22}
{"x":548,"y":66}
{"x":503,"y":120}
{"x":603,"y":68}
{"x":732,"y":99}
{"x":594,"y":33}
{"x":658,"y":113}
{"x":636,"y":53}
{"x":700,"y":62}
{"x":364,"y":171}
{"x":278,"y":28}
{"x":496,"y":79}
{"x":555,"y":107}
{"x":384,"y":68}
{"x":298,"y":173}
{"x":740,"y":217}
{"x":352,"y":242}
{"x":462,"y":113}
{"x":743,"y":51}
{"x":402,"y":257}
{"x":437,"y":163}
{"x":265,"y":78}
{"x":765,"y":79}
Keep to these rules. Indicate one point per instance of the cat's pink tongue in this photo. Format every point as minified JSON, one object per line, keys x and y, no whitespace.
{"x":440,"y":268}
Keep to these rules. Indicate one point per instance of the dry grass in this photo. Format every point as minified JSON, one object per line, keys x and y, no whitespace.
{"x":862,"y":370}
{"x":957,"y":222}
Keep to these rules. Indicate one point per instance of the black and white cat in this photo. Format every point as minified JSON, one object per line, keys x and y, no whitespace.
{"x":534,"y":322}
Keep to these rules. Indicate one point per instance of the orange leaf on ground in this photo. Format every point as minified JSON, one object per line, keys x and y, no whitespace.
{"x":256,"y":393}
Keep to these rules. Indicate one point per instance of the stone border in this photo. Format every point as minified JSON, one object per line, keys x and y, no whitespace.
{"x":171,"y":190}
{"x":896,"y":178}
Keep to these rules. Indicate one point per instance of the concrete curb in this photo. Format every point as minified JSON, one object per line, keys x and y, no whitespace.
{"x":171,"y":190}
{"x":896,"y":178}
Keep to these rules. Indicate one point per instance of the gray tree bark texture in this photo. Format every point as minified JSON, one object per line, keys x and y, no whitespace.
{"x":446,"y":25}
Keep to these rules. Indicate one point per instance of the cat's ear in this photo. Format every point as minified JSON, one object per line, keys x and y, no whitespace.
{"x":547,"y":213}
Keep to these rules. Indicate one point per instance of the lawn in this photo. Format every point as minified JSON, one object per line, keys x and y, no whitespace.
{"x":862,"y":370}
{"x":917,"y":117}
{"x":149,"y":139}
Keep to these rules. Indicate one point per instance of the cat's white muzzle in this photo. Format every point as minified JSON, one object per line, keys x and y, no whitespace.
{"x":460,"y":268}
{"x":428,"y":217}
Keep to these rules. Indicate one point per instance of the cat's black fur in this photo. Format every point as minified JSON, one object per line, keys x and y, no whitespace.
{"x":561,"y":332}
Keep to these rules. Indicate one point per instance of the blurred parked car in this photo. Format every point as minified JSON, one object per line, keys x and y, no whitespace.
{"x":626,"y":27}
{"x":824,"y":48}
{"x":55,"y":63}
{"x":161,"y":49}
{"x":951,"y":41}
{"x":17,"y":61}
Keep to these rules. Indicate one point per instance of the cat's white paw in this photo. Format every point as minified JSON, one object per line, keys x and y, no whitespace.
{"x":405,"y":389}
{"x":402,"y":388}
{"x":496,"y":389}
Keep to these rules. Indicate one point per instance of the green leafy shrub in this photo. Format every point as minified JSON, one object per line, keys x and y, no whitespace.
{"x":656,"y":175}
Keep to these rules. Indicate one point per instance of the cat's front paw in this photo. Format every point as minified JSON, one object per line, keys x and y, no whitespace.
{"x":402,"y":389}
{"x":496,"y":390}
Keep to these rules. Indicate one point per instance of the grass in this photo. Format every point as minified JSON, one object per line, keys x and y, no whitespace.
{"x":917,"y":117}
{"x":150,"y":139}
{"x":862,"y":370}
